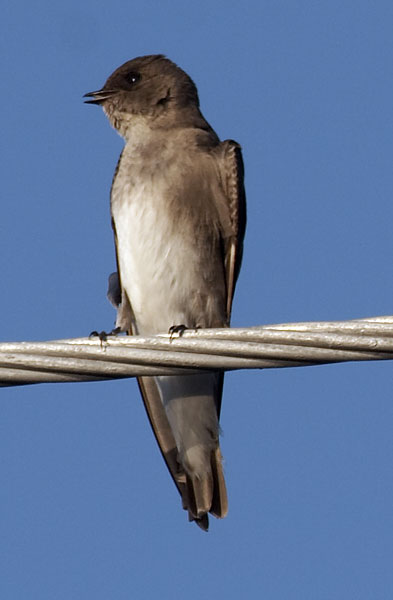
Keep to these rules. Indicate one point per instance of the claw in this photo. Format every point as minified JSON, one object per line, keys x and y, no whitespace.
{"x":115,"y":331}
{"x":103,"y":335}
{"x":176,"y":329}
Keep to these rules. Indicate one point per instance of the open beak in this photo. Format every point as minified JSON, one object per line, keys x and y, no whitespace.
{"x":99,"y":96}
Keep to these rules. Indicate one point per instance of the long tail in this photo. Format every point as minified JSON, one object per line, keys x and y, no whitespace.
{"x":183,"y":412}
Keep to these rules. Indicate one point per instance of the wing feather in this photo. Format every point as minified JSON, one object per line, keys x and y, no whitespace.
{"x":231,"y":168}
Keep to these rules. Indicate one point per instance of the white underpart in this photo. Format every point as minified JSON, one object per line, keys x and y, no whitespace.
{"x":152,"y":261}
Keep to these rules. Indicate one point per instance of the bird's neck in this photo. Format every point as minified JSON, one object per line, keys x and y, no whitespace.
{"x":160,"y":119}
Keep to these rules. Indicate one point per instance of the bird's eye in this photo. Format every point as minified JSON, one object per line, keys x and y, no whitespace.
{"x":132,"y":77}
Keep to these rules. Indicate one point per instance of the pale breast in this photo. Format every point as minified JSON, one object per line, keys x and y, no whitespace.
{"x":168,"y":247}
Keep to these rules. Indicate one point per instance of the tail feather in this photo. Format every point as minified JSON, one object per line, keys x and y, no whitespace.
{"x":197,"y":472}
{"x":206,"y":495}
{"x":219,"y":505}
{"x":202,"y":522}
{"x":199,"y":495}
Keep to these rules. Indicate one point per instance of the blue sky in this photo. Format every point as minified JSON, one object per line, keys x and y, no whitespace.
{"x":87,"y":509}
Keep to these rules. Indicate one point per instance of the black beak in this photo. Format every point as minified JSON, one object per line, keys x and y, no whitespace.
{"x":99,"y":96}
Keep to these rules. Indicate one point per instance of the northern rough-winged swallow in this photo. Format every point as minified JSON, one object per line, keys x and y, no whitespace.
{"x":178,"y":215}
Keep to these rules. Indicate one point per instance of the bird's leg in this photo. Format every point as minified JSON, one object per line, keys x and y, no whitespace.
{"x":179,"y":330}
{"x":176,"y":330}
{"x":103,"y":335}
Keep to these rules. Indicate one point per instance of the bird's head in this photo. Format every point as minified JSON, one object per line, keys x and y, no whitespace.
{"x":148,"y":86}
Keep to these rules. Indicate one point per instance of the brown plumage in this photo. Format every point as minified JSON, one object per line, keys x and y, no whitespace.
{"x":178,"y":214}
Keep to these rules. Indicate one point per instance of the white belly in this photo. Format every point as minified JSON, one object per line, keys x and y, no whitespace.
{"x":155,"y":260}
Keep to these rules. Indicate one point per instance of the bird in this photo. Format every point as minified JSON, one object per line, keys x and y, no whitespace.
{"x":178,"y":213}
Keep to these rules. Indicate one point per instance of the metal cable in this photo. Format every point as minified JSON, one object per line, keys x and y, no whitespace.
{"x":263,"y":347}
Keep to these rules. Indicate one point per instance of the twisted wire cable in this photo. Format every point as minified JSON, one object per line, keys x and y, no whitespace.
{"x":262,"y":347}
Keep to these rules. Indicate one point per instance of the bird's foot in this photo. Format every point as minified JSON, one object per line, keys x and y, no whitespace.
{"x":176,"y":330}
{"x":103,"y":335}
